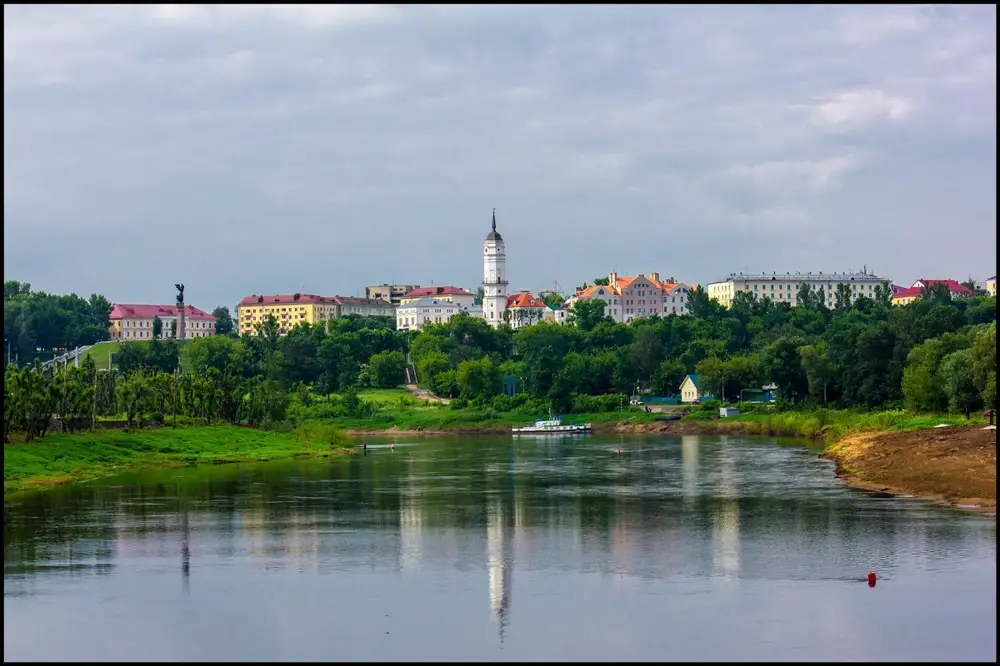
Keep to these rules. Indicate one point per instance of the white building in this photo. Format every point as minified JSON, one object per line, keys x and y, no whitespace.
{"x":784,"y":288}
{"x":494,"y":276}
{"x":415,"y":314}
{"x":991,"y":286}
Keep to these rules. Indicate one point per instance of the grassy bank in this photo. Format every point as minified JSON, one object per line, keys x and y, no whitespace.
{"x":63,"y":458}
{"x":832,"y":425}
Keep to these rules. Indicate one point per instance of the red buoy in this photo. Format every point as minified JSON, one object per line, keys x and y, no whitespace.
{"x":619,"y":451}
{"x":871,"y":579}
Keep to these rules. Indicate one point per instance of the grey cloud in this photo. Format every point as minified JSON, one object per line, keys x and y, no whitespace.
{"x":324,"y":148}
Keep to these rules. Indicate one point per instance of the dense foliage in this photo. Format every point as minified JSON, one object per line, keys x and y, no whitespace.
{"x":34,"y":320}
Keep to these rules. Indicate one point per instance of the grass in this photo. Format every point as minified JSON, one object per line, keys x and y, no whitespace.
{"x":63,"y":458}
{"x":833,"y":425}
{"x":101,"y":352}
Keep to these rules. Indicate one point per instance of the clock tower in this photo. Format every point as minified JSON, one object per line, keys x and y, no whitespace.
{"x":494,"y":276}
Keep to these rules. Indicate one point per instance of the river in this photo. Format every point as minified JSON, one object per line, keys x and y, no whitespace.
{"x":693,"y":547}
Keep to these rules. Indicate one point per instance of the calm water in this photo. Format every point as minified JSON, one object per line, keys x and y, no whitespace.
{"x":681,"y":548}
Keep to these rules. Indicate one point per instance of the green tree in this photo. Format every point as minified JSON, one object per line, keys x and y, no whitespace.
{"x":157,"y":328}
{"x":224,"y":324}
{"x":668,"y":377}
{"x":588,"y":313}
{"x":553,"y":300}
{"x":959,"y":381}
{"x":478,"y":380}
{"x":984,"y":364}
{"x":387,"y":368}
{"x":818,"y":367}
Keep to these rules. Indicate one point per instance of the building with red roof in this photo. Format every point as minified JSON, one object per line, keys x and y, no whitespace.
{"x":462,"y":297}
{"x":915,"y":290}
{"x":135,"y":322}
{"x":290,"y":310}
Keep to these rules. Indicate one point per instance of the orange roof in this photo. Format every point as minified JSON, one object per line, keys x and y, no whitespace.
{"x":670,"y":286}
{"x":589,"y":291}
{"x":524,"y":300}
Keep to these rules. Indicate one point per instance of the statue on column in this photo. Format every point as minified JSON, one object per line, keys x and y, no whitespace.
{"x":180,"y":294}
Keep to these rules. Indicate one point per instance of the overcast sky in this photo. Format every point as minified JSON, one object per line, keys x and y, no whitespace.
{"x":288,"y":148}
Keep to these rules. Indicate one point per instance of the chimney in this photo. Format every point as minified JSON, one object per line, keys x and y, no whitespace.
{"x":296,"y":297}
{"x":655,"y":277}
{"x":613,"y":279}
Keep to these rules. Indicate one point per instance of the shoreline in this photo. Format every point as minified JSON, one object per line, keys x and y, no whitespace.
{"x":954,"y":467}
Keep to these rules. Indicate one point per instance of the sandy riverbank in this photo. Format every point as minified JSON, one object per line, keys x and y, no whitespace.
{"x":956,"y":466}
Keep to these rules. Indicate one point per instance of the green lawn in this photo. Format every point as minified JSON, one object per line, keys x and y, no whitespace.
{"x":62,"y":458}
{"x":101,"y":351}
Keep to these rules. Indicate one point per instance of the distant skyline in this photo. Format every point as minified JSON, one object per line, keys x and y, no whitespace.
{"x":283,"y":148}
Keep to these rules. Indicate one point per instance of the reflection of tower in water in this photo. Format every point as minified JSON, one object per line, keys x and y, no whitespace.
{"x":689,"y":466}
{"x":185,"y":549}
{"x":410,"y":523}
{"x":499,"y":554}
{"x":727,"y":513}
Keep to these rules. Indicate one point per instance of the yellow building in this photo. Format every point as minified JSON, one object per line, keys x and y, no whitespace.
{"x":991,"y":286}
{"x":785,"y":288}
{"x":288,"y":309}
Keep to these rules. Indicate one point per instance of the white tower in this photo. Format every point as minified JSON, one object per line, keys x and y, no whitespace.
{"x":494,"y":276}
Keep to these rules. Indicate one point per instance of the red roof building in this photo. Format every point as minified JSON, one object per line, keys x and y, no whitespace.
{"x":135,"y":322}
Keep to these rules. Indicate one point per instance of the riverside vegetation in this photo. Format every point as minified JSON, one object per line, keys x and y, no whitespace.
{"x":860,"y":365}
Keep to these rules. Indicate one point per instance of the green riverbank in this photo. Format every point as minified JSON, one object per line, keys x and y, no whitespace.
{"x":63,"y":458}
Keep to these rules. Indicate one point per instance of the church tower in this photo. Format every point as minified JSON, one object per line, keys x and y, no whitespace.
{"x":494,"y":276}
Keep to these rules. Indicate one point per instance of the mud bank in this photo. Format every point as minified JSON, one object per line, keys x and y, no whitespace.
{"x":955,"y":466}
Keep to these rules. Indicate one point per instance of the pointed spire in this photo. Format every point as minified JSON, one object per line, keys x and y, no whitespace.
{"x":494,"y":219}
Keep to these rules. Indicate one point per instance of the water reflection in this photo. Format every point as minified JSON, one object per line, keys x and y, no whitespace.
{"x":463,"y":520}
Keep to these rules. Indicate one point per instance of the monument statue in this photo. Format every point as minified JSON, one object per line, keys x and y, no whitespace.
{"x":180,"y":294}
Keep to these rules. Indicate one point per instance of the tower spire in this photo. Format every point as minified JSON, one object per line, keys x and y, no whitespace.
{"x":494,"y":219}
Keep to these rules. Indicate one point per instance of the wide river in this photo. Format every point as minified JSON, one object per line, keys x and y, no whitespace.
{"x":694,"y":547}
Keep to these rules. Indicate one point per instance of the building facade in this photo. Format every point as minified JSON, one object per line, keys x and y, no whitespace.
{"x":414,"y":315}
{"x":784,"y":288}
{"x":523,"y":309}
{"x":368,"y":307}
{"x":462,"y":297}
{"x":916,"y":290}
{"x":494,"y":276}
{"x":633,"y":296}
{"x":135,"y":322}
{"x":991,"y":286}
{"x":289,"y":310}
{"x":390,"y":293}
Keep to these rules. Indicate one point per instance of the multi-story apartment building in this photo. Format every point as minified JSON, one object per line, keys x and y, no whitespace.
{"x":135,"y":322}
{"x":415,"y":314}
{"x":784,"y":288}
{"x":288,"y":309}
{"x":390,"y":293}
{"x":915,"y":290}
{"x":292,"y":309}
{"x":991,"y":286}
{"x":635,"y":296}
{"x":462,"y":297}
{"x":369,"y":307}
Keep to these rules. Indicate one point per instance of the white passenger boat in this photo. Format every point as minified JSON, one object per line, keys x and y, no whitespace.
{"x":551,"y":425}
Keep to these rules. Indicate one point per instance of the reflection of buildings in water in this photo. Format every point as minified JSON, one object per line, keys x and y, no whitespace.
{"x":689,"y":466}
{"x":410,"y":522}
{"x":185,"y":549}
{"x":726,"y":532}
{"x":303,"y":539}
{"x":252,"y":522}
{"x":500,"y":561}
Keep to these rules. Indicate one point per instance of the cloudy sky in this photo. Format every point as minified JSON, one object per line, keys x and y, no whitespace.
{"x":293,"y":148}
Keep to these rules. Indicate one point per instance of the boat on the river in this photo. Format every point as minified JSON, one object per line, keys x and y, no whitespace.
{"x":552,"y":425}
